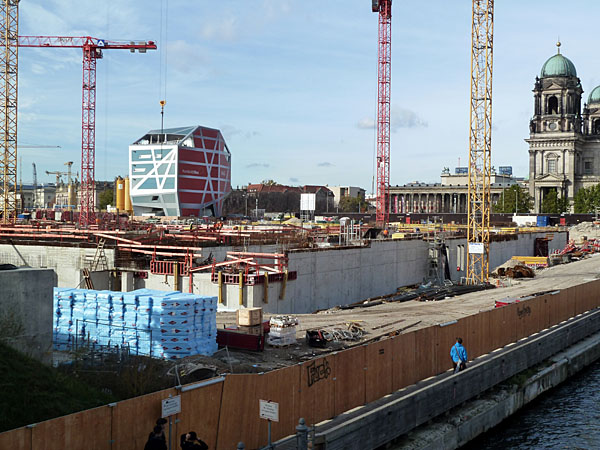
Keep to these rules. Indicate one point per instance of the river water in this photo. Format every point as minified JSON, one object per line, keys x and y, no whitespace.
{"x":567,"y":417}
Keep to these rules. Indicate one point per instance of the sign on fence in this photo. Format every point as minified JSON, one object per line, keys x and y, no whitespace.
{"x":269,"y":410}
{"x":171,"y":406}
{"x":476,"y":248}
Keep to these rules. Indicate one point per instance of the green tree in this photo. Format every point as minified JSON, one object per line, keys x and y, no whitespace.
{"x":587,"y":200}
{"x":105,"y":198}
{"x":269,"y":183}
{"x":553,"y":204}
{"x":352,"y":204}
{"x":515,"y":199}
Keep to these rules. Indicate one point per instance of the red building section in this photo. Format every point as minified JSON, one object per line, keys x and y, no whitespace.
{"x":180,"y":172}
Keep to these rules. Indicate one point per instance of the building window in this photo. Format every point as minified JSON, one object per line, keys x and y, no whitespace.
{"x":552,"y":105}
{"x":551,"y":166}
{"x":588,"y":167}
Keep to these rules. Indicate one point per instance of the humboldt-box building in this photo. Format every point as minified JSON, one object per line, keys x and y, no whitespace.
{"x":179,"y":172}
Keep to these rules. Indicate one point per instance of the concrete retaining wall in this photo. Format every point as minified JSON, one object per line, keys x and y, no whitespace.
{"x":325,"y":277}
{"x":26,"y":310}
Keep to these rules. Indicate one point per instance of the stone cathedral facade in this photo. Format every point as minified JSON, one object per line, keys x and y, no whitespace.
{"x":564,"y":139}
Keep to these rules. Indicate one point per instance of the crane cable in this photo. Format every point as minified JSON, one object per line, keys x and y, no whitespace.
{"x":164,"y":39}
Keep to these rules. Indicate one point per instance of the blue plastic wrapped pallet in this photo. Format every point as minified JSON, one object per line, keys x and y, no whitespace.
{"x":160,"y":324}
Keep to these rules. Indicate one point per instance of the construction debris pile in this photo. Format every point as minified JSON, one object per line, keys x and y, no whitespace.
{"x":169,"y":325}
{"x":514,"y":268}
{"x":282,"y":331}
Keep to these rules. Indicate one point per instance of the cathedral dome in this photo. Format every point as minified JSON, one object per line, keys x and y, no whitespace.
{"x":558,"y":66}
{"x":594,"y":95}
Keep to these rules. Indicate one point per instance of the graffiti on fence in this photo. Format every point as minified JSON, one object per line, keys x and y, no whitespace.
{"x":317,"y":372}
{"x":524,"y":311}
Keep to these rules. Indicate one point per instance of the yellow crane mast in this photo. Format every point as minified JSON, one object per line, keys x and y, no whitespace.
{"x":480,"y":141}
{"x":9,"y":33}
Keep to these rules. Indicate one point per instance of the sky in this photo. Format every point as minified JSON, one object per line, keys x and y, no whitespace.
{"x":292,"y":84}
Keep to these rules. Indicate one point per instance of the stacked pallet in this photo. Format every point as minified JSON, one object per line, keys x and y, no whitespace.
{"x":160,"y":324}
{"x":282,"y":331}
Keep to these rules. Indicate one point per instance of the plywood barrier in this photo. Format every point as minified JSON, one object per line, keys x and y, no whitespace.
{"x":74,"y":431}
{"x":403,"y":367}
{"x":317,"y":389}
{"x":225,"y":413}
{"x":17,"y":439}
{"x":425,"y":356}
{"x":379,"y":363}
{"x":134,"y":419}
{"x":349,"y":379}
{"x":200,"y":412}
{"x":239,"y":418}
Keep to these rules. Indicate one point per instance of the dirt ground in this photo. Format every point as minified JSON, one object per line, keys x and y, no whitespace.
{"x":381,"y":320}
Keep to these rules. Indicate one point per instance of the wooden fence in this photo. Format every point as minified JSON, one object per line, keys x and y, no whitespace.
{"x":226,"y":412}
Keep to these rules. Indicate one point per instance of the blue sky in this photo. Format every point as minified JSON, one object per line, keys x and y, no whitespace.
{"x":292,"y":83}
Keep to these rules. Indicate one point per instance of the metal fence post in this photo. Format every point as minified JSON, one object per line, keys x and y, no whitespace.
{"x":241,"y":446}
{"x":301,"y":435}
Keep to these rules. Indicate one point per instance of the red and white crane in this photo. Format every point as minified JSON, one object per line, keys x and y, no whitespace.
{"x":384,"y":80}
{"x":92,"y":50}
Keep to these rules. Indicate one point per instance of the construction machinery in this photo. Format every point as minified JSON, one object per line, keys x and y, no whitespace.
{"x":480,"y":140}
{"x":92,"y":51}
{"x":58,"y":175}
{"x":384,"y":79}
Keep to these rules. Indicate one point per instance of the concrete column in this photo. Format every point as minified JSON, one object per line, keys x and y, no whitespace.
{"x":127,"y":282}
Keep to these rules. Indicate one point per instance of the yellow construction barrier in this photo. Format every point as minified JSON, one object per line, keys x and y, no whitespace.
{"x":532,"y":261}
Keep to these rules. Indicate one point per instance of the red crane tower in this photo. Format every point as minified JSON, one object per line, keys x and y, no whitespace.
{"x":384,"y":80}
{"x":92,"y":50}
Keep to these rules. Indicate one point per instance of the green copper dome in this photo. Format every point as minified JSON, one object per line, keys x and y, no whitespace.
{"x":594,"y":95}
{"x":558,"y":66}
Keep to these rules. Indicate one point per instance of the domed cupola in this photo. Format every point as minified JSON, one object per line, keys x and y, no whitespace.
{"x":557,"y":93}
{"x":594,"y":96}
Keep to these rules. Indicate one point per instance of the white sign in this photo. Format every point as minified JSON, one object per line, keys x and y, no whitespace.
{"x":171,"y":406}
{"x":269,"y":410}
{"x":308,"y":202}
{"x":476,"y":248}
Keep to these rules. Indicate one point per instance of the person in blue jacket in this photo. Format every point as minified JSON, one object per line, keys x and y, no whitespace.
{"x":459,"y":356}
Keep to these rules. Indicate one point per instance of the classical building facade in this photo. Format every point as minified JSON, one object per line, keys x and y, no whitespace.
{"x":449,"y":196}
{"x":564,"y":140}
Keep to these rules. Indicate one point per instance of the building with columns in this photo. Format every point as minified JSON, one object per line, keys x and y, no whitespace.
{"x":564,"y":140}
{"x":450,"y":195}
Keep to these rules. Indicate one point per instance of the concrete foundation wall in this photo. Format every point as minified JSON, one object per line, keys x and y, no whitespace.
{"x":325,"y":277}
{"x":26,"y":310}
{"x":67,"y":262}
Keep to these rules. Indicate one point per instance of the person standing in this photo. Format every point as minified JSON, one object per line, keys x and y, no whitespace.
{"x":459,"y":356}
{"x":156,"y":440}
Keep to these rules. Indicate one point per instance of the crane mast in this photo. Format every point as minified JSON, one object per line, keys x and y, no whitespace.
{"x":92,"y":51}
{"x":9,"y":32}
{"x":384,"y":79}
{"x":480,"y":141}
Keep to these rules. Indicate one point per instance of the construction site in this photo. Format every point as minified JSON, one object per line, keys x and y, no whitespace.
{"x":281,"y":334}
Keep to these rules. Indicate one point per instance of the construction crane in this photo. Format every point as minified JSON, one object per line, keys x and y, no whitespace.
{"x":480,"y":142}
{"x":34,"y":185}
{"x":9,"y":32}
{"x":384,"y":79}
{"x":92,"y":51}
{"x":58,"y":175}
{"x":69,"y":164}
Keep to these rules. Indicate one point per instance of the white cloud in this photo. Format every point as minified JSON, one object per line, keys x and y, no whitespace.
{"x":224,"y":30}
{"x":400,"y":118}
